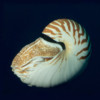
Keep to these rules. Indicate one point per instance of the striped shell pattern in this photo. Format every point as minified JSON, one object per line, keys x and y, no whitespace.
{"x":45,"y":64}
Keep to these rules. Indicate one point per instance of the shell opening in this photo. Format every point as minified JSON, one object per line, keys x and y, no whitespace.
{"x":47,"y":38}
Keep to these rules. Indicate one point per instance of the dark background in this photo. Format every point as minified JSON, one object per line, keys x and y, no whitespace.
{"x":23,"y":23}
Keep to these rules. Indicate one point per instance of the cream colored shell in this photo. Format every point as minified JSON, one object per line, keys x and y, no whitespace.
{"x":45,"y":64}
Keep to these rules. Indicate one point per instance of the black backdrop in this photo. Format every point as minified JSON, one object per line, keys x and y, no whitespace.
{"x":23,"y":23}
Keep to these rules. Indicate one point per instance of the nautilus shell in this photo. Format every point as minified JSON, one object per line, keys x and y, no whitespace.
{"x":44,"y":63}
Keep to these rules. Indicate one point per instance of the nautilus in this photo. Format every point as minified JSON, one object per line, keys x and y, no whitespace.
{"x":44,"y":63}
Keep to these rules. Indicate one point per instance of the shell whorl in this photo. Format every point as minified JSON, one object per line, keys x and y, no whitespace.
{"x":72,"y":34}
{"x":44,"y":64}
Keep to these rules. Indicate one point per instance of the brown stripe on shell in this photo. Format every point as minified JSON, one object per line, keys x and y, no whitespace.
{"x":73,"y":31}
{"x":79,"y":35}
{"x":63,"y":27}
{"x":84,"y":49}
{"x":78,"y":28}
{"x":84,"y":40}
{"x":47,"y":59}
{"x":60,"y":20}
{"x":48,"y":31}
{"x":60,"y":36}
{"x":55,"y":23}
{"x":68,"y":24}
{"x":53,"y":27}
{"x":84,"y":57}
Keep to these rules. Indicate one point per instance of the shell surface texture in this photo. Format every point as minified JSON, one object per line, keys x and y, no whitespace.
{"x":43,"y":63}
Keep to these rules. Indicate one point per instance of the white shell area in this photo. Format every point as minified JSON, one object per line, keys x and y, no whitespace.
{"x":46,"y":64}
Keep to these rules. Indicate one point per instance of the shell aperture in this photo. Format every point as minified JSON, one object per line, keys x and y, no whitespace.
{"x":45,"y":64}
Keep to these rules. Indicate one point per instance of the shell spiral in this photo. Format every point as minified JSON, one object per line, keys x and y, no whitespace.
{"x":44,"y":64}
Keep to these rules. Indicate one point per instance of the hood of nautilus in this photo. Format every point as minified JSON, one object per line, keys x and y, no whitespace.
{"x":43,"y":63}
